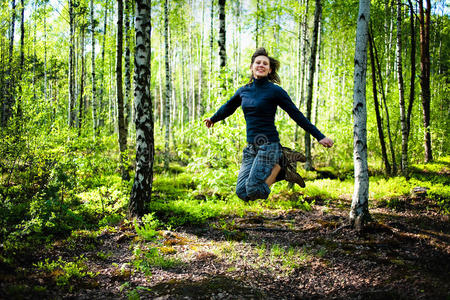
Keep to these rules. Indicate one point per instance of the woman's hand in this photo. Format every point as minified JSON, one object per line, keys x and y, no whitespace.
{"x":208,"y":123}
{"x":326,"y":142}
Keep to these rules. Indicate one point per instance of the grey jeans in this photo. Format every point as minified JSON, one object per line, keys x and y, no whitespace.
{"x":257,"y":164}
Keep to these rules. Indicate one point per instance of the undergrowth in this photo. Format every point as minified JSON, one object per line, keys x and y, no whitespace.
{"x":70,"y":188}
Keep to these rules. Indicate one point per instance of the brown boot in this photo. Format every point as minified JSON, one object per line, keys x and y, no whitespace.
{"x":292,"y":155}
{"x":291,"y":175}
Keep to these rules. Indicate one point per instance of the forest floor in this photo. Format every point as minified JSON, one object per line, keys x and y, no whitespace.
{"x":273,"y":254}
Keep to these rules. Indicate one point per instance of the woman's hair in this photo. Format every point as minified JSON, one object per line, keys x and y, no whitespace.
{"x":274,"y":65}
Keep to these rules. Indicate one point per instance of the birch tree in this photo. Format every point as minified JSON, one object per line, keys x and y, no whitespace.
{"x":413,"y":66}
{"x":9,"y":100}
{"x":168,"y":90}
{"x":310,"y":86}
{"x":127,"y":66}
{"x":102,"y":74}
{"x":119,"y":90}
{"x":222,"y":34}
{"x":387,"y":166}
{"x":94,"y":90}
{"x":145,"y":148}
{"x":21,"y":60}
{"x":425,"y":64}
{"x":359,"y":212}
{"x":401,"y":94}
{"x":71,"y":111}
{"x":81,"y":95}
{"x":302,"y":31}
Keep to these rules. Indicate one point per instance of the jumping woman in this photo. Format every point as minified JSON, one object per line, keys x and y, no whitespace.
{"x":264,"y":161}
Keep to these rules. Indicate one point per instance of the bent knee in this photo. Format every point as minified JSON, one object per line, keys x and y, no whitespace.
{"x":257,"y":193}
{"x":242,"y":193}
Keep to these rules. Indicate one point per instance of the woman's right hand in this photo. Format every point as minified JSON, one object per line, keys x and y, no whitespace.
{"x":208,"y":123}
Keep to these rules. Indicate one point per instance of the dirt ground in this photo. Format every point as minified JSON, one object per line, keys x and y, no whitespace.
{"x":403,"y":254}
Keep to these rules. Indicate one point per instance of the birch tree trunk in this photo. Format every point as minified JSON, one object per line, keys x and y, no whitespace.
{"x":81,"y":95}
{"x":9,"y":97}
{"x":45,"y":53}
{"x":145,"y":147}
{"x":94,"y":90}
{"x":119,"y":88}
{"x":257,"y":24}
{"x":389,"y":12}
{"x":424,"y":19}
{"x":359,"y":212}
{"x":200,"y":65}
{"x":383,"y":96}
{"x":317,"y":75}
{"x":22,"y":59}
{"x":222,"y":34}
{"x":71,"y":111}
{"x":401,"y":88}
{"x":310,"y":86}
{"x":101,"y":113}
{"x":127,"y":66}
{"x":211,"y":51}
{"x":168,"y":89}
{"x":302,"y":65}
{"x":413,"y":67}
{"x":387,"y":166}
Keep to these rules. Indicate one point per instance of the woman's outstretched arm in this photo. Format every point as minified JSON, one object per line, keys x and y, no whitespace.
{"x":287,"y":105}
{"x":225,"y":110}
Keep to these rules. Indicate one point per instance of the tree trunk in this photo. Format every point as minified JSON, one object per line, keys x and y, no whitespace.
{"x":127,"y":66}
{"x":45,"y":53}
{"x":222,"y":34}
{"x":81,"y":95}
{"x":9,"y":97}
{"x":71,"y":111}
{"x":317,"y":75}
{"x":22,"y":59}
{"x":191,"y":95}
{"x":359,"y":212}
{"x":257,"y":25}
{"x":201,"y":109}
{"x":302,"y":65}
{"x":119,"y":88}
{"x":211,"y":51}
{"x":101,"y":113}
{"x":413,"y":67}
{"x":425,"y":64}
{"x":387,"y":166}
{"x":168,"y":89}
{"x":145,"y":147}
{"x":389,"y":10}
{"x":310,"y":86}
{"x":94,"y":91}
{"x":401,"y":88}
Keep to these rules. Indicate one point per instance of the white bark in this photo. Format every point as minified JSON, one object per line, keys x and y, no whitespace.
{"x":94,"y":102}
{"x":71,"y":111}
{"x":168,"y":86}
{"x":142,"y":186}
{"x":222,"y":34}
{"x":359,"y":212}
{"x":310,"y":86}
{"x":404,"y":161}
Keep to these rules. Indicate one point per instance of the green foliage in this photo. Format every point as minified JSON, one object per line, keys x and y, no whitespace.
{"x":66,"y":273}
{"x":148,"y":229}
{"x":147,"y":258}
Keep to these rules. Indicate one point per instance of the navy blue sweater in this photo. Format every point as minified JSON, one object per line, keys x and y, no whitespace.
{"x":259,"y":101}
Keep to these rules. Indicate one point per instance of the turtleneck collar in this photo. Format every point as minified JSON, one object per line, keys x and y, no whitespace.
{"x":261,"y":81}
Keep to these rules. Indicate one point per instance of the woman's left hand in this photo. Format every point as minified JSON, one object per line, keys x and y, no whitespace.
{"x":326,"y":142}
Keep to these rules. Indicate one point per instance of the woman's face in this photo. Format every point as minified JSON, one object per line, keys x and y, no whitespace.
{"x":261,"y":67}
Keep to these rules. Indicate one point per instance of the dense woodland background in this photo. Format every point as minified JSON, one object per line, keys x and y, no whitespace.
{"x":68,"y":136}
